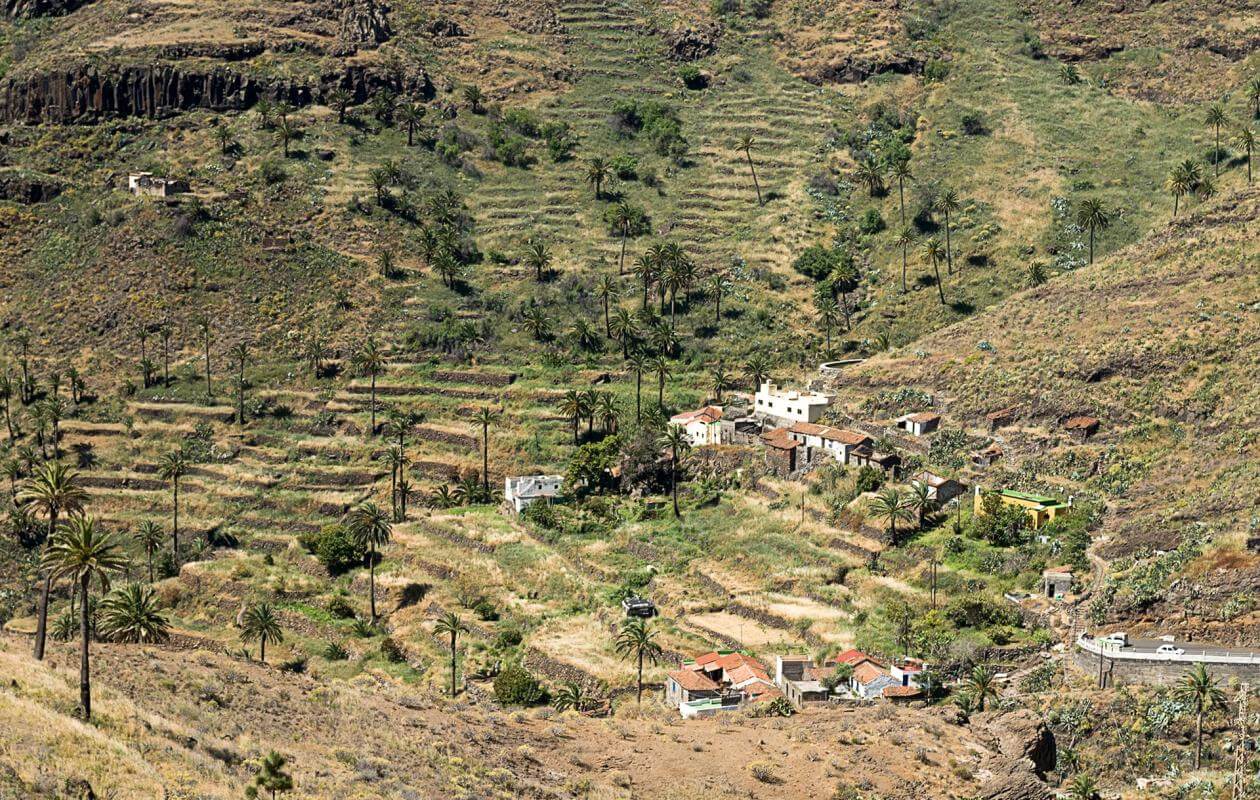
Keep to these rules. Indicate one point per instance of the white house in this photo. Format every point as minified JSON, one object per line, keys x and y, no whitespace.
{"x":703,"y":426}
{"x":920,"y":424}
{"x":789,"y":405}
{"x":144,"y":183}
{"x":524,"y":490}
{"x":835,"y":442}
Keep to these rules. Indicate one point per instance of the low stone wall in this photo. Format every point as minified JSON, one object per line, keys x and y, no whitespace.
{"x":479,"y":378}
{"x":430,"y":434}
{"x":460,"y":540}
{"x":1118,"y":671}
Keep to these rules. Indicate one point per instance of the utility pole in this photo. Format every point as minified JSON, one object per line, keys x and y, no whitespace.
{"x":1242,"y":746}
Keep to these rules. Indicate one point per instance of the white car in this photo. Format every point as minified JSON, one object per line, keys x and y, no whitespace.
{"x":1169,"y":650}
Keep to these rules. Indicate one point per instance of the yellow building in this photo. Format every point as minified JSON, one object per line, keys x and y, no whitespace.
{"x":1041,"y":509}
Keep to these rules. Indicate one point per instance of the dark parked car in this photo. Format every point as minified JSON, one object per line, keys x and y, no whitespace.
{"x":639,"y":607}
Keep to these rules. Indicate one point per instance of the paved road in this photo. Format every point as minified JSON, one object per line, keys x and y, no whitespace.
{"x":1191,"y":648}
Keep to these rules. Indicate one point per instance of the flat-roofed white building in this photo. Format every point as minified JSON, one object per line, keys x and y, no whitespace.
{"x":789,"y":405}
{"x":525,"y":490}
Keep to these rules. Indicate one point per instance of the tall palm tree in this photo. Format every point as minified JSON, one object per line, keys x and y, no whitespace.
{"x":23,"y":340}
{"x":133,"y":614}
{"x":370,"y":362}
{"x":948,"y":203}
{"x":905,"y":240}
{"x":172,"y":467}
{"x":717,"y":287}
{"x":646,"y":268}
{"x":640,"y":364}
{"x":240,"y":353}
{"x":637,"y":640}
{"x":1201,"y":690}
{"x":1093,"y":216}
{"x":203,"y":323}
{"x":410,"y":116}
{"x":623,"y":328}
{"x":757,"y":368}
{"x":1182,"y":180}
{"x":901,"y":173}
{"x":6,"y":394}
{"x":82,"y":553}
{"x":675,"y":438}
{"x":660,"y":365}
{"x":919,"y":501}
{"x":871,"y":173}
{"x":1246,"y":139}
{"x":396,"y":457}
{"x":380,"y":180}
{"x":369,"y":525}
{"x":223,"y":134}
{"x":606,"y":290}
{"x":571,"y":405}
{"x":719,"y":381}
{"x":261,"y":624}
{"x":828,"y":315}
{"x":449,"y":624}
{"x":607,"y":410}
{"x":598,"y":172}
{"x":1253,"y":96}
{"x":52,"y":489}
{"x":746,"y":146}
{"x":1216,"y":118}
{"x":340,"y":99}
{"x":623,"y":217}
{"x":150,"y":536}
{"x":484,"y":417}
{"x":981,"y":684}
{"x":932,"y":251}
{"x":537,"y":257}
{"x":891,"y":506}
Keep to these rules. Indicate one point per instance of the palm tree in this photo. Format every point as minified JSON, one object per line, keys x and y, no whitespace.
{"x":1253,"y":96}
{"x":607,"y":410}
{"x":6,"y":394}
{"x":203,"y":322}
{"x":223,"y":134}
{"x":637,"y":640}
{"x":932,"y":250}
{"x":981,"y":684}
{"x":23,"y":340}
{"x":380,"y":180}
{"x":1216,"y":118}
{"x":891,"y":506}
{"x":645,"y":267}
{"x":719,"y":381}
{"x":1200,"y":689}
{"x":240,"y":352}
{"x":901,"y":172}
{"x":606,"y":290}
{"x":660,"y":365}
{"x":261,"y":623}
{"x":718,"y":286}
{"x":473,"y":96}
{"x":948,"y":203}
{"x":370,"y":528}
{"x":264,"y":108}
{"x":172,"y":467}
{"x":537,"y":323}
{"x":571,"y":406}
{"x":484,"y":417}
{"x":598,"y":172}
{"x":449,"y":624}
{"x":411,"y":115}
{"x":52,"y":489}
{"x":82,"y":553}
{"x":570,"y":696}
{"x":757,"y":368}
{"x":675,"y":438}
{"x":286,"y":132}
{"x":623,"y":218}
{"x":1069,"y":74}
{"x":1182,"y":180}
{"x":920,"y":501}
{"x":1094,"y":216}
{"x":370,"y":362}
{"x":340,"y":99}
{"x":149,"y":535}
{"x":132,"y":614}
{"x":871,"y":173}
{"x":639,"y":363}
{"x":537,"y":257}
{"x":1083,"y":787}
{"x":623,"y":328}
{"x":1246,"y":139}
{"x":905,"y":239}
{"x":746,"y":146}
{"x":828,"y":315}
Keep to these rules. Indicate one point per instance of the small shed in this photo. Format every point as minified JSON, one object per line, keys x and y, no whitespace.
{"x":1056,"y":582}
{"x":920,"y":424}
{"x":1000,"y":418}
{"x":939,"y":488}
{"x":1081,"y":428}
{"x":987,"y":456}
{"x":781,"y":451}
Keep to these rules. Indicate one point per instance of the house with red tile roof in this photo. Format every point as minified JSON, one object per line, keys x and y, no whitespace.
{"x":702,"y":426}
{"x":717,"y":681}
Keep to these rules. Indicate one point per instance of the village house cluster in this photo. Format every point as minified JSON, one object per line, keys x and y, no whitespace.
{"x":728,"y":680}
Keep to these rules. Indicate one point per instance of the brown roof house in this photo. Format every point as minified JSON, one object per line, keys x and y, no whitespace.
{"x":1000,"y":418}
{"x":920,"y":424}
{"x":987,"y":456}
{"x":1080,"y":428}
{"x":781,"y":450}
{"x":939,"y":488}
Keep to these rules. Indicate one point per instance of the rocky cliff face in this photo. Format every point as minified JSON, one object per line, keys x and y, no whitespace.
{"x":87,"y":93}
{"x":28,"y":9}
{"x":363,"y":22}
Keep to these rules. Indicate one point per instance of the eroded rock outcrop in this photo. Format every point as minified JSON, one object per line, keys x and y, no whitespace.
{"x":693,"y":42}
{"x":87,"y":93}
{"x":29,"y":9}
{"x":363,"y":22}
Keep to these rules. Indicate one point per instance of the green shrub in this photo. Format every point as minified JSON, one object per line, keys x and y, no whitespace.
{"x":871,"y":222}
{"x":515,"y":686}
{"x":335,"y":549}
{"x":340,"y":608}
{"x":692,"y":77}
{"x":334,"y":651}
{"x":625,"y":166}
{"x":391,"y":651}
{"x":869,"y":479}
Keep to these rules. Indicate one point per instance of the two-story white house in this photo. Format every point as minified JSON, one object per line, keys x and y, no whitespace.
{"x":789,"y":406}
{"x":703,"y":426}
{"x":523,"y":491}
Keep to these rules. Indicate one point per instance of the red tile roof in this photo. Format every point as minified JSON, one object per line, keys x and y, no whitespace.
{"x":693,"y":681}
{"x":809,"y":429}
{"x":779,"y":440}
{"x":852,"y":657}
{"x":850,"y":438}
{"x":902,"y":691}
{"x":867,"y":671}
{"x":746,"y":672}
{"x":1080,"y":423}
{"x":708,"y":414}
